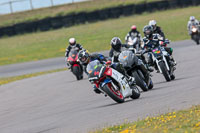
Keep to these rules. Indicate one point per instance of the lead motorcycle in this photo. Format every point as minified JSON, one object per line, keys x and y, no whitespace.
{"x":110,"y":82}
{"x":162,"y":62}
{"x":135,"y":67}
{"x":74,"y":64}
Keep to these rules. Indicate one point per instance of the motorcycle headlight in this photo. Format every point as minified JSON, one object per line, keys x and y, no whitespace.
{"x":194,"y":29}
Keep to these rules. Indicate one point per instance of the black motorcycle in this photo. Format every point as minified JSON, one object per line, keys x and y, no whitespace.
{"x":135,"y":67}
{"x":195,"y":34}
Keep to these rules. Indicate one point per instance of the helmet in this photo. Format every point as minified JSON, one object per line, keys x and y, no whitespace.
{"x":133,"y":27}
{"x":83,"y":56}
{"x":116,"y":43}
{"x":192,"y":18}
{"x":148,"y":31}
{"x":153,"y":23}
{"x":72,"y":41}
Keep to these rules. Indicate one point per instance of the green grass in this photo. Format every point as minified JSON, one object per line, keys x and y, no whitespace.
{"x":63,"y":10}
{"x":93,"y":36}
{"x":185,"y":121}
{"x":15,"y":78}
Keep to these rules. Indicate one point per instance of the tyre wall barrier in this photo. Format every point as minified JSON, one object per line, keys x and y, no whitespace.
{"x":83,"y":17}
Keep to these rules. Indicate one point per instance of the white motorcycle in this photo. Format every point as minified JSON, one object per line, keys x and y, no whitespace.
{"x":110,"y":82}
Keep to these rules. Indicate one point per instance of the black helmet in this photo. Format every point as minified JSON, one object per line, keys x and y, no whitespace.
{"x":116,"y":43}
{"x":148,"y":31}
{"x":72,"y":41}
{"x":83,"y":56}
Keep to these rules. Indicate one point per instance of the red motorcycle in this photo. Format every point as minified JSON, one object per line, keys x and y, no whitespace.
{"x":74,"y":64}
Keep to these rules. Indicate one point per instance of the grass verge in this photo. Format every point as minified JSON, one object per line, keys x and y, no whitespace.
{"x":15,"y":78}
{"x":93,"y":36}
{"x":185,"y":121}
{"x":62,"y":10}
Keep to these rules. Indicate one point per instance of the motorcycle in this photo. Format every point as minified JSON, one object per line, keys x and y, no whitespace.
{"x":135,"y":67}
{"x":74,"y":65}
{"x":195,"y":34}
{"x":162,"y":62}
{"x":110,"y":82}
{"x":133,"y":42}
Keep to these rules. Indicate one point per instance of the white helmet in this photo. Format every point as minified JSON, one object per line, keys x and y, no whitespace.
{"x":72,"y":41}
{"x":153,"y":23}
{"x":192,"y":18}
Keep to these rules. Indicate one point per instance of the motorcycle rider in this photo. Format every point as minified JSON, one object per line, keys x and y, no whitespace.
{"x":192,"y":22}
{"x":85,"y":58}
{"x":72,"y":44}
{"x":152,"y":40}
{"x":134,"y":33}
{"x":116,"y":49}
{"x":156,"y":29}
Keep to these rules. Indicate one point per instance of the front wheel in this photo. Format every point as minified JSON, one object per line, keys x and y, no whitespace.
{"x":77,"y":72}
{"x":140,"y":81}
{"x":150,"y":84}
{"x":196,"y":38}
{"x":116,"y":95}
{"x":164,"y":71}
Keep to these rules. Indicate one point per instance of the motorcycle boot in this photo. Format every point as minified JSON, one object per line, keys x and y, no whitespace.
{"x":131,"y":80}
{"x":96,"y":90}
{"x":173,"y":62}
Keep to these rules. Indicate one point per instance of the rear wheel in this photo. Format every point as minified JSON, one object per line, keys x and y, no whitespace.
{"x":116,"y":95}
{"x":135,"y":92}
{"x":164,"y":71}
{"x":140,"y":81}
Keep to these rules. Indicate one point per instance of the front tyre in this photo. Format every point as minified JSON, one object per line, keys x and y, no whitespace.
{"x":164,"y":71}
{"x":116,"y":95}
{"x":150,"y":84}
{"x":77,"y":72}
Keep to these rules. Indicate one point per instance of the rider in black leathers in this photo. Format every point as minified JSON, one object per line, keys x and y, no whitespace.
{"x":152,"y":40}
{"x":156,"y":29}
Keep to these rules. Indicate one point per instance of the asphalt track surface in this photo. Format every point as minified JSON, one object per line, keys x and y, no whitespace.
{"x":57,"y":103}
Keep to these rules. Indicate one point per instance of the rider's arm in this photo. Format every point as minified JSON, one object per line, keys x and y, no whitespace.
{"x":67,"y":51}
{"x":80,"y":46}
{"x":111,"y":52}
{"x":161,"y":33}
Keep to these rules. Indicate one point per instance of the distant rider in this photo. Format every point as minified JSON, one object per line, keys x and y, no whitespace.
{"x":153,"y":40}
{"x":156,"y":29}
{"x":72,"y":45}
{"x":85,"y":58}
{"x":134,"y":33}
